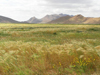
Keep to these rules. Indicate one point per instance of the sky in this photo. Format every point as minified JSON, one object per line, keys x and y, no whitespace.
{"x":22,"y":10}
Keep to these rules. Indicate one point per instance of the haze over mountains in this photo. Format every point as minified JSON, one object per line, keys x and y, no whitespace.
{"x":56,"y":19}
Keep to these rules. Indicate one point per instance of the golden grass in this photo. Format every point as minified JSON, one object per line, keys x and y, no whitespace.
{"x":42,"y":58}
{"x":72,"y":57}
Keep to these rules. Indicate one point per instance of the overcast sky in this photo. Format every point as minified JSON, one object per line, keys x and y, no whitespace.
{"x":22,"y":10}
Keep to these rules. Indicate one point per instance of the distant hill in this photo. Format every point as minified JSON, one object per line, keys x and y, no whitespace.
{"x":7,"y":20}
{"x":77,"y":19}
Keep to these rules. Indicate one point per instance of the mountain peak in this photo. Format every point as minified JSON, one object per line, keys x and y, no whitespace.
{"x":79,"y":15}
{"x":34,"y":20}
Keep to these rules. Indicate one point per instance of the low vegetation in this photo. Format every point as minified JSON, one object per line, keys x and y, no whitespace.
{"x":40,"y":49}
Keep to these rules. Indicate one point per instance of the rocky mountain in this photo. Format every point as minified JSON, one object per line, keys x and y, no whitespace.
{"x":49,"y":18}
{"x":34,"y":20}
{"x":46,"y":18}
{"x":60,"y":20}
{"x":7,"y":20}
{"x":77,"y":19}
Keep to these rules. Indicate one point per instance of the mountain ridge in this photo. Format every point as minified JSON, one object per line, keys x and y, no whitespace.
{"x":77,"y":19}
{"x":56,"y":19}
{"x":46,"y":18}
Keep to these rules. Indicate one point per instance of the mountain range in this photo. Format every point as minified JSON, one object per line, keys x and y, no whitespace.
{"x":77,"y":19}
{"x":56,"y":19}
{"x":46,"y":18}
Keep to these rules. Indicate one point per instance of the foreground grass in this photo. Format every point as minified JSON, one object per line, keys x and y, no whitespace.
{"x":49,"y":50}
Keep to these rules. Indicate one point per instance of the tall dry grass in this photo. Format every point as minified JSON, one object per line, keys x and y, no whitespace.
{"x":38,"y":58}
{"x":38,"y":49}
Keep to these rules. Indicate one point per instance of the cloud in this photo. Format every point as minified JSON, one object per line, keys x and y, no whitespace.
{"x":24,"y":9}
{"x":84,"y":7}
{"x":69,"y":1}
{"x":21,"y":9}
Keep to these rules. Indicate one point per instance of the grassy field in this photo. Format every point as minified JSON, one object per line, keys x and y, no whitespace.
{"x":44,"y":49}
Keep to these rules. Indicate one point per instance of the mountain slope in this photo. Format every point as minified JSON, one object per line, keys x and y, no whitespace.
{"x":61,"y":19}
{"x":78,"y":19}
{"x":92,"y":21}
{"x":7,"y":20}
